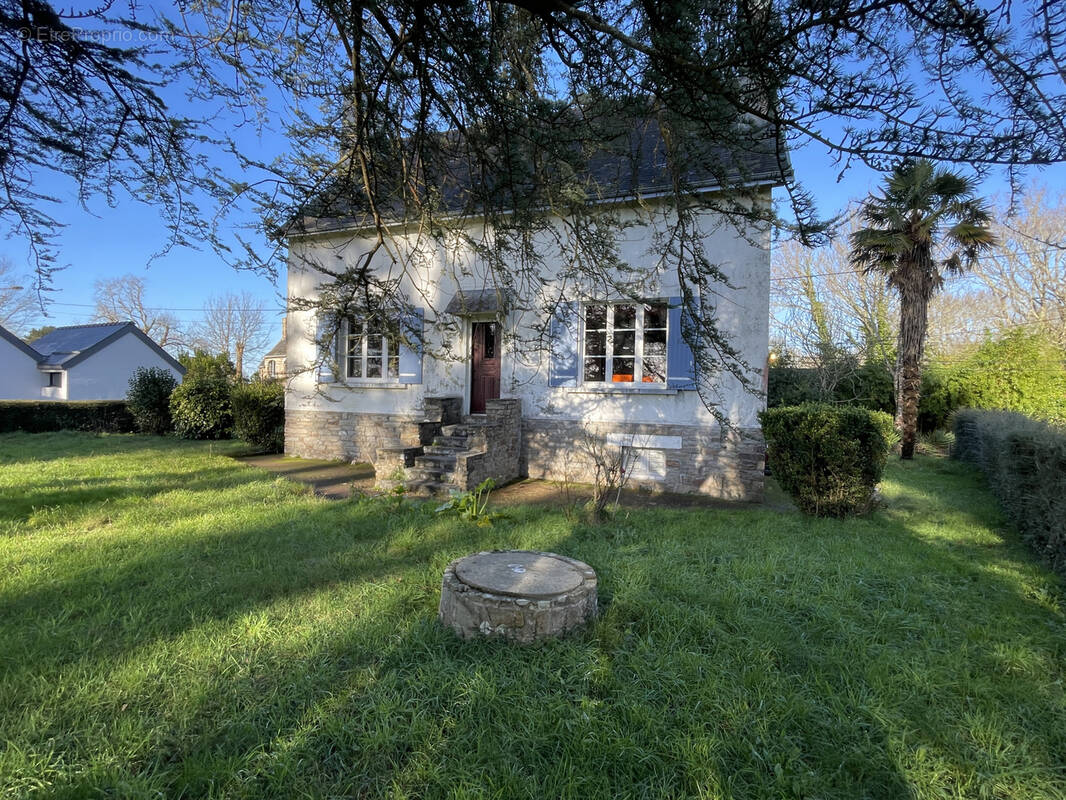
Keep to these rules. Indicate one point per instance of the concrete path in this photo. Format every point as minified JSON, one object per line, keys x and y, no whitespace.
{"x":332,"y":479}
{"x":336,"y":480}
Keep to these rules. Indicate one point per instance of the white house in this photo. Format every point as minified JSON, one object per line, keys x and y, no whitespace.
{"x":19,"y":378}
{"x":79,"y":362}
{"x":617,"y":373}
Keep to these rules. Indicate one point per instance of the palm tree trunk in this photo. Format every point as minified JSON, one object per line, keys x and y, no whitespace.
{"x":913,"y":322}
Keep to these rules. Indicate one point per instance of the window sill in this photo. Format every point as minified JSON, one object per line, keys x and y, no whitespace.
{"x":374,"y":384}
{"x":616,"y":388}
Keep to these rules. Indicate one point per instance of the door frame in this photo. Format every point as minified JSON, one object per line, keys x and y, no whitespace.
{"x":468,"y":350}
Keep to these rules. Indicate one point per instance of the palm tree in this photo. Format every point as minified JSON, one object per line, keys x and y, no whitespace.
{"x":921,"y":211}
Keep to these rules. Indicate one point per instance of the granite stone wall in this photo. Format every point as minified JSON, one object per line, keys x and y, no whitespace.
{"x":348,"y":436}
{"x":705,"y":462}
{"x":696,"y":460}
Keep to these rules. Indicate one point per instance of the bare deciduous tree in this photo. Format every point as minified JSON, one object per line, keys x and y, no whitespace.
{"x":19,"y":307}
{"x":235,"y":324}
{"x":122,"y":299}
{"x":820,"y":303}
{"x":1026,"y":274}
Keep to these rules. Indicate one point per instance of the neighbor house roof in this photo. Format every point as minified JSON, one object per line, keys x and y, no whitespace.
{"x":277,"y":351}
{"x":635,"y":166}
{"x":8,"y":336}
{"x":65,"y":347}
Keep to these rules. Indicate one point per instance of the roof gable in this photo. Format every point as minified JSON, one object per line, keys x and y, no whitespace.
{"x":64,"y":344}
{"x":18,"y":344}
{"x":65,"y":347}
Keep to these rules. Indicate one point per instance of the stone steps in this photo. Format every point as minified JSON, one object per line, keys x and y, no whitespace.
{"x":433,"y":472}
{"x":427,"y":487}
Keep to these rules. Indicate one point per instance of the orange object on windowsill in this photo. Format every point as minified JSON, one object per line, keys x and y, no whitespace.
{"x":620,"y":378}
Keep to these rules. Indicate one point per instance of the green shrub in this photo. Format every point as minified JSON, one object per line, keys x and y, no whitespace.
{"x":96,"y":416}
{"x":829,"y":458}
{"x":201,"y":408}
{"x":1024,"y":372}
{"x":944,"y":389}
{"x":867,"y":386}
{"x":148,"y":399}
{"x":259,"y":414}
{"x":1025,"y":462}
{"x":1021,"y":371}
{"x":789,"y":386}
{"x":202,"y":364}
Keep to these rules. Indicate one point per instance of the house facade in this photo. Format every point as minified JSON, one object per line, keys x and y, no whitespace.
{"x":612,"y":375}
{"x":79,"y":362}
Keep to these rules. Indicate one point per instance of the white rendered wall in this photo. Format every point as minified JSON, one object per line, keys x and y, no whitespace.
{"x":19,"y":378}
{"x":105,"y":375}
{"x":743,"y":311}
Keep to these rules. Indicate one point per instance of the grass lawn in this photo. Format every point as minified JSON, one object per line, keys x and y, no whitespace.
{"x":174,"y":624}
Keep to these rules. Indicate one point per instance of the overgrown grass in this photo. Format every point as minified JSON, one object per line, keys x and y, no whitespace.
{"x":174,"y":624}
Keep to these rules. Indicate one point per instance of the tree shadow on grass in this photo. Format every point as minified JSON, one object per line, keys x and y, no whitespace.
{"x":659,"y":697}
{"x":748,"y":654}
{"x":87,"y":495}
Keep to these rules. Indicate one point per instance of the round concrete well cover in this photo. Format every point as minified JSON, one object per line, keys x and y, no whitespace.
{"x":518,"y":573}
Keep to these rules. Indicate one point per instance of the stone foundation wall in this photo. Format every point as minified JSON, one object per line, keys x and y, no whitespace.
{"x":729,"y":467}
{"x":705,"y":463}
{"x":347,"y":436}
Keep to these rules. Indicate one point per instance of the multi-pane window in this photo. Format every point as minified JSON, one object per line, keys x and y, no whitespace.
{"x":625,"y":343}
{"x":370,"y":351}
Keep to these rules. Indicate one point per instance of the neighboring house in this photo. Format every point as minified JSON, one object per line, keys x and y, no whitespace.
{"x":273,"y":363}
{"x":79,"y":362}
{"x":491,"y":412}
{"x":19,"y":378}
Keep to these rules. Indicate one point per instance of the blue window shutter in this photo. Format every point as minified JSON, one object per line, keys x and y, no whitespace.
{"x":563,"y":332}
{"x":411,"y":356}
{"x":327,"y":349}
{"x":680,"y":362}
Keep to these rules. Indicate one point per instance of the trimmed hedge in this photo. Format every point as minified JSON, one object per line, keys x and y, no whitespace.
{"x":1025,"y":462}
{"x":97,"y":416}
{"x":259,"y":414}
{"x":828,"y":458}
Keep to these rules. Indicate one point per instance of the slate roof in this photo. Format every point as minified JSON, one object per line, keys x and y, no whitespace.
{"x":64,"y":344}
{"x":277,"y":351}
{"x":64,"y":347}
{"x":637,"y":166}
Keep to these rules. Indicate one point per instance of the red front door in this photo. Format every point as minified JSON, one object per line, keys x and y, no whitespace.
{"x":484,"y":365}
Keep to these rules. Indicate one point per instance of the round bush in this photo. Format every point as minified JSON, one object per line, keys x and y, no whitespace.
{"x":259,"y":414}
{"x":201,"y":408}
{"x":828,"y":458}
{"x":148,"y":399}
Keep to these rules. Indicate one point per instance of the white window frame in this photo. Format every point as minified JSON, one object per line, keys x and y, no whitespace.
{"x":387,"y":344}
{"x":638,"y":346}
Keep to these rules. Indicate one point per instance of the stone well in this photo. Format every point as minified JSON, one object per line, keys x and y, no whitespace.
{"x":517,"y":594}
